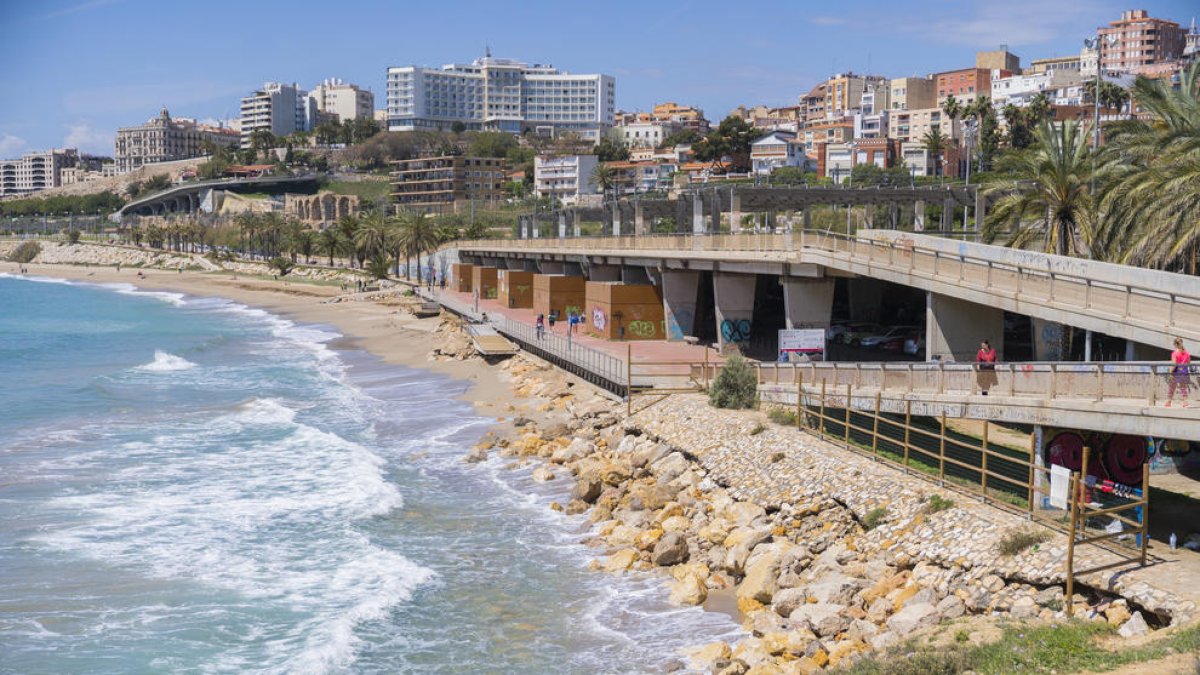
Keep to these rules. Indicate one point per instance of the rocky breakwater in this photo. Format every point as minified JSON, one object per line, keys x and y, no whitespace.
{"x":59,"y":253}
{"x":828,"y":556}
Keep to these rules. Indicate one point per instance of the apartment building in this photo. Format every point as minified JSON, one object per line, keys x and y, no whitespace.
{"x":163,"y":139}
{"x":1068,"y":64}
{"x":343,"y":101}
{"x":635,"y":177}
{"x":916,"y":157}
{"x":1000,"y":59}
{"x":966,"y":84}
{"x":500,"y":95}
{"x":908,"y":93}
{"x":776,"y":149}
{"x":826,"y":131}
{"x":644,"y":134}
{"x":35,"y":171}
{"x":447,"y":184}
{"x":565,"y":178}
{"x":912,"y":125}
{"x":686,"y":116}
{"x":1137,"y":40}
{"x":278,"y":108}
{"x":844,"y":93}
{"x":1019,"y":90}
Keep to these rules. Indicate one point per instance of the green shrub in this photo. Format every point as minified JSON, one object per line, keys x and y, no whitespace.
{"x":1016,"y":541}
{"x":73,"y":235}
{"x":874,"y":518}
{"x":379,"y":266}
{"x":281,"y":265}
{"x":735,"y":386}
{"x":758,"y":429}
{"x":939,"y":503}
{"x":785,"y":416}
{"x":25,"y":253}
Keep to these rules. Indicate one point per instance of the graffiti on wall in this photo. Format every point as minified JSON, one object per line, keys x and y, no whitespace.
{"x":599,"y":319}
{"x":679,"y":321}
{"x":1116,"y":457}
{"x":735,"y":330}
{"x":643,"y":329}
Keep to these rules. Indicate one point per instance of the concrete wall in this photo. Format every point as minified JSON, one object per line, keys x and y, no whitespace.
{"x":808,"y":302}
{"x":604,"y":273}
{"x":956,"y":327}
{"x":679,"y":290}
{"x":734,"y":298}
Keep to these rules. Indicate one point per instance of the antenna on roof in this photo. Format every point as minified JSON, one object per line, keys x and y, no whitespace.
{"x":487,"y":51}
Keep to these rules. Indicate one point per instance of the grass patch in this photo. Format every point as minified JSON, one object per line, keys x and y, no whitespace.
{"x":783,"y":416}
{"x":758,"y":429}
{"x":874,"y":518}
{"x":25,"y":252}
{"x":1016,"y":541}
{"x":366,"y":190}
{"x":939,"y":503}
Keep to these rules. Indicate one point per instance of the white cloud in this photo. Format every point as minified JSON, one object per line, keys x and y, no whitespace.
{"x":1014,"y":23}
{"x":83,"y":6}
{"x":11,"y":146}
{"x":83,"y":136}
{"x":827,"y":20}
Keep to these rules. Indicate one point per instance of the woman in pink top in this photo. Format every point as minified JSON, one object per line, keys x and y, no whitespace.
{"x":1181,"y":372}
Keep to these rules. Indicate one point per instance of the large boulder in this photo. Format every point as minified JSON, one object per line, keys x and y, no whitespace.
{"x":762,"y":569}
{"x":836,"y":589}
{"x":788,"y":600}
{"x":951,"y":607}
{"x":587,"y":490}
{"x":620,"y":561}
{"x":672,"y":549}
{"x":670,"y":467}
{"x":747,"y":536}
{"x":703,"y":657}
{"x":542,"y":474}
{"x":689,"y":589}
{"x":1134,"y":627}
{"x":913,"y":617}
{"x":823,"y":620}
{"x":649,"y":454}
{"x":742,"y":514}
{"x":575,"y":451}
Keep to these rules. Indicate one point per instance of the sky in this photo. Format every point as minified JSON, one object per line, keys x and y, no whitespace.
{"x":76,"y":70}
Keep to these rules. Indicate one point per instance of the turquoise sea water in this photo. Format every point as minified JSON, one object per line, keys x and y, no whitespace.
{"x":189,"y":485}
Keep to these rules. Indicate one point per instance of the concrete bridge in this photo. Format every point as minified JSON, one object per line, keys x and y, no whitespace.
{"x":203,"y":195}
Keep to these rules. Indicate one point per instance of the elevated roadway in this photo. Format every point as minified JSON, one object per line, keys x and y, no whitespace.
{"x":191,"y":197}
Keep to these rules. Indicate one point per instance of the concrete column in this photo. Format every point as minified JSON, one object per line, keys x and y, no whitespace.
{"x":947,"y":214}
{"x":524,"y":227}
{"x":715,"y":212}
{"x":869,"y":215}
{"x":681,"y":215}
{"x":733,"y":295}
{"x":562,"y":224}
{"x":680,"y":289}
{"x":980,"y":208}
{"x":735,"y":212}
{"x":919,"y":216}
{"x":575,"y":231}
{"x":639,"y":219}
{"x":616,"y":219}
{"x":808,"y":302}
{"x":807,"y":222}
{"x":604,"y":273}
{"x":956,"y":327}
{"x":771,"y":220}
{"x":536,"y":227}
{"x":1049,"y":340}
{"x":697,"y":214}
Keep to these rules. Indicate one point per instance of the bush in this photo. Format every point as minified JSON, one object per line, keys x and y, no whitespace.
{"x":281,"y":265}
{"x":73,"y":235}
{"x":735,"y":386}
{"x":785,"y":416}
{"x":379,"y":265}
{"x":25,"y":253}
{"x":874,"y":518}
{"x":758,"y":429}
{"x":939,"y":503}
{"x":1016,"y":541}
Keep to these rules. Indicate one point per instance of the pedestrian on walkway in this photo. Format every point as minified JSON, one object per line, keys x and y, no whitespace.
{"x":553,"y":319}
{"x":540,"y":323}
{"x":1181,"y":373}
{"x":985,"y":361}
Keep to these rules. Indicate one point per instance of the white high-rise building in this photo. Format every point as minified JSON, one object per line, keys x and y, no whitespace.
{"x":347,"y":101}
{"x":35,"y":171}
{"x":278,"y":108}
{"x":500,"y":95}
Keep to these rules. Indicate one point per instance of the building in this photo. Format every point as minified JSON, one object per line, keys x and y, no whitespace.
{"x":1001,"y":59}
{"x":1068,"y":64}
{"x":343,"y":101}
{"x":447,"y":184}
{"x":837,"y":160}
{"x":912,"y":125}
{"x":826,"y":131}
{"x":565,"y":178}
{"x":1191,"y":41}
{"x":638,"y":177}
{"x":844,"y":93}
{"x":1137,"y":40}
{"x":776,"y":149}
{"x":500,"y":95}
{"x":917,"y":158}
{"x":644,"y":134}
{"x":687,"y":117}
{"x":872,"y":126}
{"x":966,"y":84}
{"x":1019,"y":90}
{"x":163,"y":139}
{"x":35,"y":171}
{"x":909,"y":93}
{"x":278,"y":108}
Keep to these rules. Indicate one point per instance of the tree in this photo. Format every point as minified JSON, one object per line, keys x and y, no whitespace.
{"x":952,"y":108}
{"x":681,"y":137}
{"x":330,"y":242}
{"x":372,"y":235}
{"x":418,"y":234}
{"x":491,"y":144}
{"x":604,"y":177}
{"x":347,"y":226}
{"x":305,"y":242}
{"x":788,"y":175}
{"x":732,"y":139}
{"x":936,"y":144}
{"x":1046,"y":194}
{"x":736,"y":386}
{"x":610,"y":150}
{"x":457,"y":128}
{"x":378,"y":265}
{"x":281,"y":265}
{"x":261,"y":141}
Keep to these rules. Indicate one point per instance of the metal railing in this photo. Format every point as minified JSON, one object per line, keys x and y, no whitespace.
{"x":1170,"y":308}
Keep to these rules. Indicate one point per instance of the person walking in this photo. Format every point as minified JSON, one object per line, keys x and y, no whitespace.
{"x":540,"y":323}
{"x":1181,"y":374}
{"x":985,"y":361}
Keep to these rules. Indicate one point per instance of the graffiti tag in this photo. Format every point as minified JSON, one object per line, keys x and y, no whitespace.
{"x":643,"y":329}
{"x":735,"y":330}
{"x":599,"y":320}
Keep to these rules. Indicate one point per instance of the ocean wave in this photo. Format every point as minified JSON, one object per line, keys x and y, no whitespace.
{"x":165,"y":363}
{"x":37,"y":279}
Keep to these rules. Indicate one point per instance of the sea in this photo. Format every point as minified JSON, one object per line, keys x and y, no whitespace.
{"x":190,"y":485}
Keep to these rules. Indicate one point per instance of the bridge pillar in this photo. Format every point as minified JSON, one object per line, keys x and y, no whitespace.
{"x":680,"y":290}
{"x":604,"y":272}
{"x":735,"y":211}
{"x":616,"y":219}
{"x":715,"y":212}
{"x":980,"y":209}
{"x":562,"y":224}
{"x":955,"y":327}
{"x":697,"y":214}
{"x":947,"y":215}
{"x":919,"y":215}
{"x":733,"y":295}
{"x":807,"y":221}
{"x":639,"y":219}
{"x":535,"y":227}
{"x":524,"y":221}
{"x":808,"y":303}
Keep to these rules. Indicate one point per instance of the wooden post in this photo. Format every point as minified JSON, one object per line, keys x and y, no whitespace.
{"x":907,"y":426}
{"x":1145,"y":509}
{"x":706,"y":368}
{"x":799,"y":399}
{"x":942,"y":452}
{"x":628,"y":378}
{"x":984,"y":456}
{"x":1032,"y":469}
{"x":847,"y":422}
{"x":875,"y":429}
{"x":822,"y":406}
{"x":1070,"y":562}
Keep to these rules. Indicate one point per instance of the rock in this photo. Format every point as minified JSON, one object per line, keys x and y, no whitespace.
{"x":476,"y":455}
{"x":747,"y":536}
{"x":735,"y":667}
{"x":764,"y":621}
{"x":742,"y":514}
{"x":703,"y":657}
{"x":913,"y":617}
{"x":823,"y":620}
{"x":1050,"y":597}
{"x":649,"y":497}
{"x":1025,"y":607}
{"x":670,"y":467}
{"x":647,"y":539}
{"x":787,"y":600}
{"x":587,"y":490}
{"x":884,"y":640}
{"x":862,"y":630}
{"x":576,"y":506}
{"x":689,"y":590}
{"x":752,"y":652}
{"x":649,"y":455}
{"x":575,"y":451}
{"x":542,"y":474}
{"x":836,"y":589}
{"x":844,"y":649}
{"x":951,"y":607}
{"x":879,"y":610}
{"x":620,"y":561}
{"x":1134,"y":627}
{"x":672,"y":549}
{"x":676,"y":524}
{"x":521,"y":421}
{"x":761,"y":573}
{"x":1117,"y":613}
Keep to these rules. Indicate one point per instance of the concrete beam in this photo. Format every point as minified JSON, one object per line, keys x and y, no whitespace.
{"x":955,"y":327}
{"x":604,"y":273}
{"x":680,"y":292}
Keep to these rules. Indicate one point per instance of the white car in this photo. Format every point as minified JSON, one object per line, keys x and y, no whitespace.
{"x":874,"y":341}
{"x":915,"y":346}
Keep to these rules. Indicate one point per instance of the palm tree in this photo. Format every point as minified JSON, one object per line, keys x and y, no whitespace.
{"x":604,"y":177}
{"x":304,"y":241}
{"x":331,"y":242}
{"x":1046,"y":195}
{"x":372,"y":235}
{"x":347,"y":225}
{"x":935,"y":144}
{"x":418,"y":234}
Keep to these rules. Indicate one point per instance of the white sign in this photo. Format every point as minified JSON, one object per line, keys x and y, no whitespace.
{"x":810,"y":341}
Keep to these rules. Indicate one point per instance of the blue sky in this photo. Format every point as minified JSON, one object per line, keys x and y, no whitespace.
{"x":75,"y":70}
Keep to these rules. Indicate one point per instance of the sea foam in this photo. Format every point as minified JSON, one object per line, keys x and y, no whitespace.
{"x":165,"y":363}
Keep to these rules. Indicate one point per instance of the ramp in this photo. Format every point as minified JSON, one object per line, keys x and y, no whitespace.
{"x":488,"y":342}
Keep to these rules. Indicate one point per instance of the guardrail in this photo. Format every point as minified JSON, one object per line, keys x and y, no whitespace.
{"x":1168,"y":309}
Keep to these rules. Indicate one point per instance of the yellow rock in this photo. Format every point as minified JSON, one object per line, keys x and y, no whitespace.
{"x":775,"y":643}
{"x":903,"y":596}
{"x":676,"y":524}
{"x":607,"y":528}
{"x":669,"y":510}
{"x":746,"y":605}
{"x":820,"y":658}
{"x":765,"y":668}
{"x":690,"y":590}
{"x":621,"y":560}
{"x":700,"y":658}
{"x":555,"y":506}
{"x":805,"y":666}
{"x":646,"y":539}
{"x":843,"y":649}
{"x":696,"y":569}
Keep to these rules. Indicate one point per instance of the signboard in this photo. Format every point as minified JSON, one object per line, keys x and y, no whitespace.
{"x":802,"y":341}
